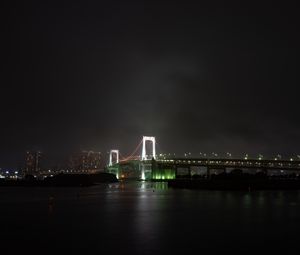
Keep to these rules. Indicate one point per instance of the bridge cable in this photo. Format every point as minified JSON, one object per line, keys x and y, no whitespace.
{"x":132,"y":154}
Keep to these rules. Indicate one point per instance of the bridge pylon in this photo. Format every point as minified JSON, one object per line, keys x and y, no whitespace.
{"x":116,"y":152}
{"x":150,"y":139}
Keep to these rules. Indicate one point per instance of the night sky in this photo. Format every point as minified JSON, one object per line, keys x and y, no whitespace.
{"x":98,"y":75}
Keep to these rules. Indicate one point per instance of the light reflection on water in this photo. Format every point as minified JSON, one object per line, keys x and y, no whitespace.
{"x":149,"y":218}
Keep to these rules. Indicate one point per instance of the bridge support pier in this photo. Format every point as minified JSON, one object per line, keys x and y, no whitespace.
{"x":189,"y":172}
{"x":208,"y":172}
{"x":143,"y":172}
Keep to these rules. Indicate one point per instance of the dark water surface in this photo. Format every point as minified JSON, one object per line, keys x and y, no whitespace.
{"x":146,"y":218}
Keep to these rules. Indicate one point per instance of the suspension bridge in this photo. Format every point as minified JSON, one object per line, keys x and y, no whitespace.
{"x":150,"y":166}
{"x":135,"y":165}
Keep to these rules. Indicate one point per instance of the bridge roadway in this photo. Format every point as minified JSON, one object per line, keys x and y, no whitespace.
{"x":230,"y":163}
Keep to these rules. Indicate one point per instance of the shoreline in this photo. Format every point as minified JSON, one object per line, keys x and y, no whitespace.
{"x":62,"y":180}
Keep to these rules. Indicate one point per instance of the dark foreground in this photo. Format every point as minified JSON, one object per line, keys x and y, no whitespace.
{"x":147,"y":218}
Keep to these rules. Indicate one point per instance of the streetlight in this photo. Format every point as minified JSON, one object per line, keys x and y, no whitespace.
{"x":215,"y":154}
{"x":228,"y":154}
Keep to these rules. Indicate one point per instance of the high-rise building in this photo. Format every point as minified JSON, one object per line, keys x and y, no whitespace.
{"x":32,"y":163}
{"x":85,"y":161}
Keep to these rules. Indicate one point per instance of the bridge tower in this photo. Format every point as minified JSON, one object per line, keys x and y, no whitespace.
{"x":150,"y":139}
{"x":116,"y":152}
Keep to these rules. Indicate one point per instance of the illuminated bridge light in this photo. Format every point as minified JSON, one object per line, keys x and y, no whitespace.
{"x":143,"y":176}
{"x":151,"y":139}
{"x":116,"y":152}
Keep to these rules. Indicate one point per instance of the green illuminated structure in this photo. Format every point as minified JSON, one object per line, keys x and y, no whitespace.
{"x":163,"y":174}
{"x":143,"y":170}
{"x":160,"y":172}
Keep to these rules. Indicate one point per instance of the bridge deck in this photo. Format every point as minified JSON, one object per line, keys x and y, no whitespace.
{"x":232,"y":163}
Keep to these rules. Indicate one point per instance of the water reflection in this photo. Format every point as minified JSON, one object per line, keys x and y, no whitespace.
{"x":50,"y":205}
